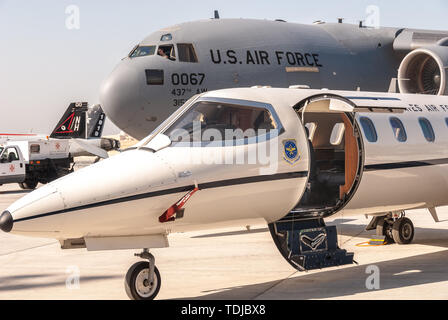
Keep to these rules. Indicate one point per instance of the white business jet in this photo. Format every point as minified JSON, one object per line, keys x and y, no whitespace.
{"x":292,"y":157}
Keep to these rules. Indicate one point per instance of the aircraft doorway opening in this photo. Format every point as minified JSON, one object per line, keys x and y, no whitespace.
{"x":335,"y":158}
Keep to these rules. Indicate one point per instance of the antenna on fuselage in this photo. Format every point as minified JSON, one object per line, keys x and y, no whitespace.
{"x":216,"y":14}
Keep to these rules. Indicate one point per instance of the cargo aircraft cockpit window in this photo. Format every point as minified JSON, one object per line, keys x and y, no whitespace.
{"x":142,"y":51}
{"x":166,"y":37}
{"x":167,"y":51}
{"x":213,"y":121}
{"x":186,"y":52}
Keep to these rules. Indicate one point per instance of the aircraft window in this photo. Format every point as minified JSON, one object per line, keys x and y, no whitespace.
{"x":154,"y":77}
{"x":337,"y":134}
{"x":311,"y":126}
{"x":446,"y":121}
{"x":369,"y":129}
{"x":427,"y":129}
{"x":213,"y":121}
{"x":142,"y":51}
{"x":167,"y":51}
{"x":166,"y":37}
{"x":398,"y":128}
{"x":186,"y":52}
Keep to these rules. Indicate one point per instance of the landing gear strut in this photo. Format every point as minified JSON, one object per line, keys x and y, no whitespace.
{"x":396,"y":228}
{"x":143,"y":279}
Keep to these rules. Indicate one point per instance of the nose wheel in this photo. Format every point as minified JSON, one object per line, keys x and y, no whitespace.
{"x":143,"y":279}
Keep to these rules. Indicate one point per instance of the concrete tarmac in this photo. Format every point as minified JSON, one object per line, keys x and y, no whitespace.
{"x":229,"y":264}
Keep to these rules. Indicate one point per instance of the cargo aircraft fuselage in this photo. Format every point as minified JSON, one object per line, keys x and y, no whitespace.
{"x":169,"y":66}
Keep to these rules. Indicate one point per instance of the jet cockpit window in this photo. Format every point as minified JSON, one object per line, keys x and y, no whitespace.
{"x":212,"y":121}
{"x":167,"y":51}
{"x":142,"y":51}
{"x":398,"y":128}
{"x":186,"y":52}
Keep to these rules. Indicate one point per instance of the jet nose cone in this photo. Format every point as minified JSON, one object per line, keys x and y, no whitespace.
{"x":120,"y":95}
{"x":6,"y":221}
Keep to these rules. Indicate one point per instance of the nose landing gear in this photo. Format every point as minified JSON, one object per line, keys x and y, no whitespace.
{"x":143,"y":279}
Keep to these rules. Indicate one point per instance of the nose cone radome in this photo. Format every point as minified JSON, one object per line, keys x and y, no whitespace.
{"x":6,"y":221}
{"x":99,"y":199}
{"x":120,"y":95}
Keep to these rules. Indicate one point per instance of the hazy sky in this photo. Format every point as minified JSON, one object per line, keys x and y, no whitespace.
{"x":44,"y":66}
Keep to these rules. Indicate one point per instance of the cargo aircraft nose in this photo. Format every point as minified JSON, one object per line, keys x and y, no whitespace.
{"x":6,"y":221}
{"x":120,"y":95}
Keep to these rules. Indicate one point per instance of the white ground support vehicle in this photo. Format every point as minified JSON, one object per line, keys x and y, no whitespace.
{"x":30,"y":162}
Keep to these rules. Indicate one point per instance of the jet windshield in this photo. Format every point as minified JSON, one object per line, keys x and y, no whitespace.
{"x":213,"y":121}
{"x":166,"y":123}
{"x":141,"y":51}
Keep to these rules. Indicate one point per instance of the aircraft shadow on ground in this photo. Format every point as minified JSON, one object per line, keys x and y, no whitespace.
{"x":21,"y":282}
{"x":394,"y":274}
{"x":347,"y":281}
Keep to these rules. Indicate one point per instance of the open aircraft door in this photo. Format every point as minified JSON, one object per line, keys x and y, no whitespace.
{"x":337,"y":154}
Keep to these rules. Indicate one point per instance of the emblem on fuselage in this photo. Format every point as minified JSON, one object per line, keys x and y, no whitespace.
{"x":290,"y":151}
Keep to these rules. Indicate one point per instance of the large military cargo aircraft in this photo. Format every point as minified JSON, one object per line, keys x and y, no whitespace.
{"x":173,"y":64}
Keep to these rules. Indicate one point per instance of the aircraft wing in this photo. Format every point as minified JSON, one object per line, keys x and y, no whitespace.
{"x":408,"y":39}
{"x":90,"y":148}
